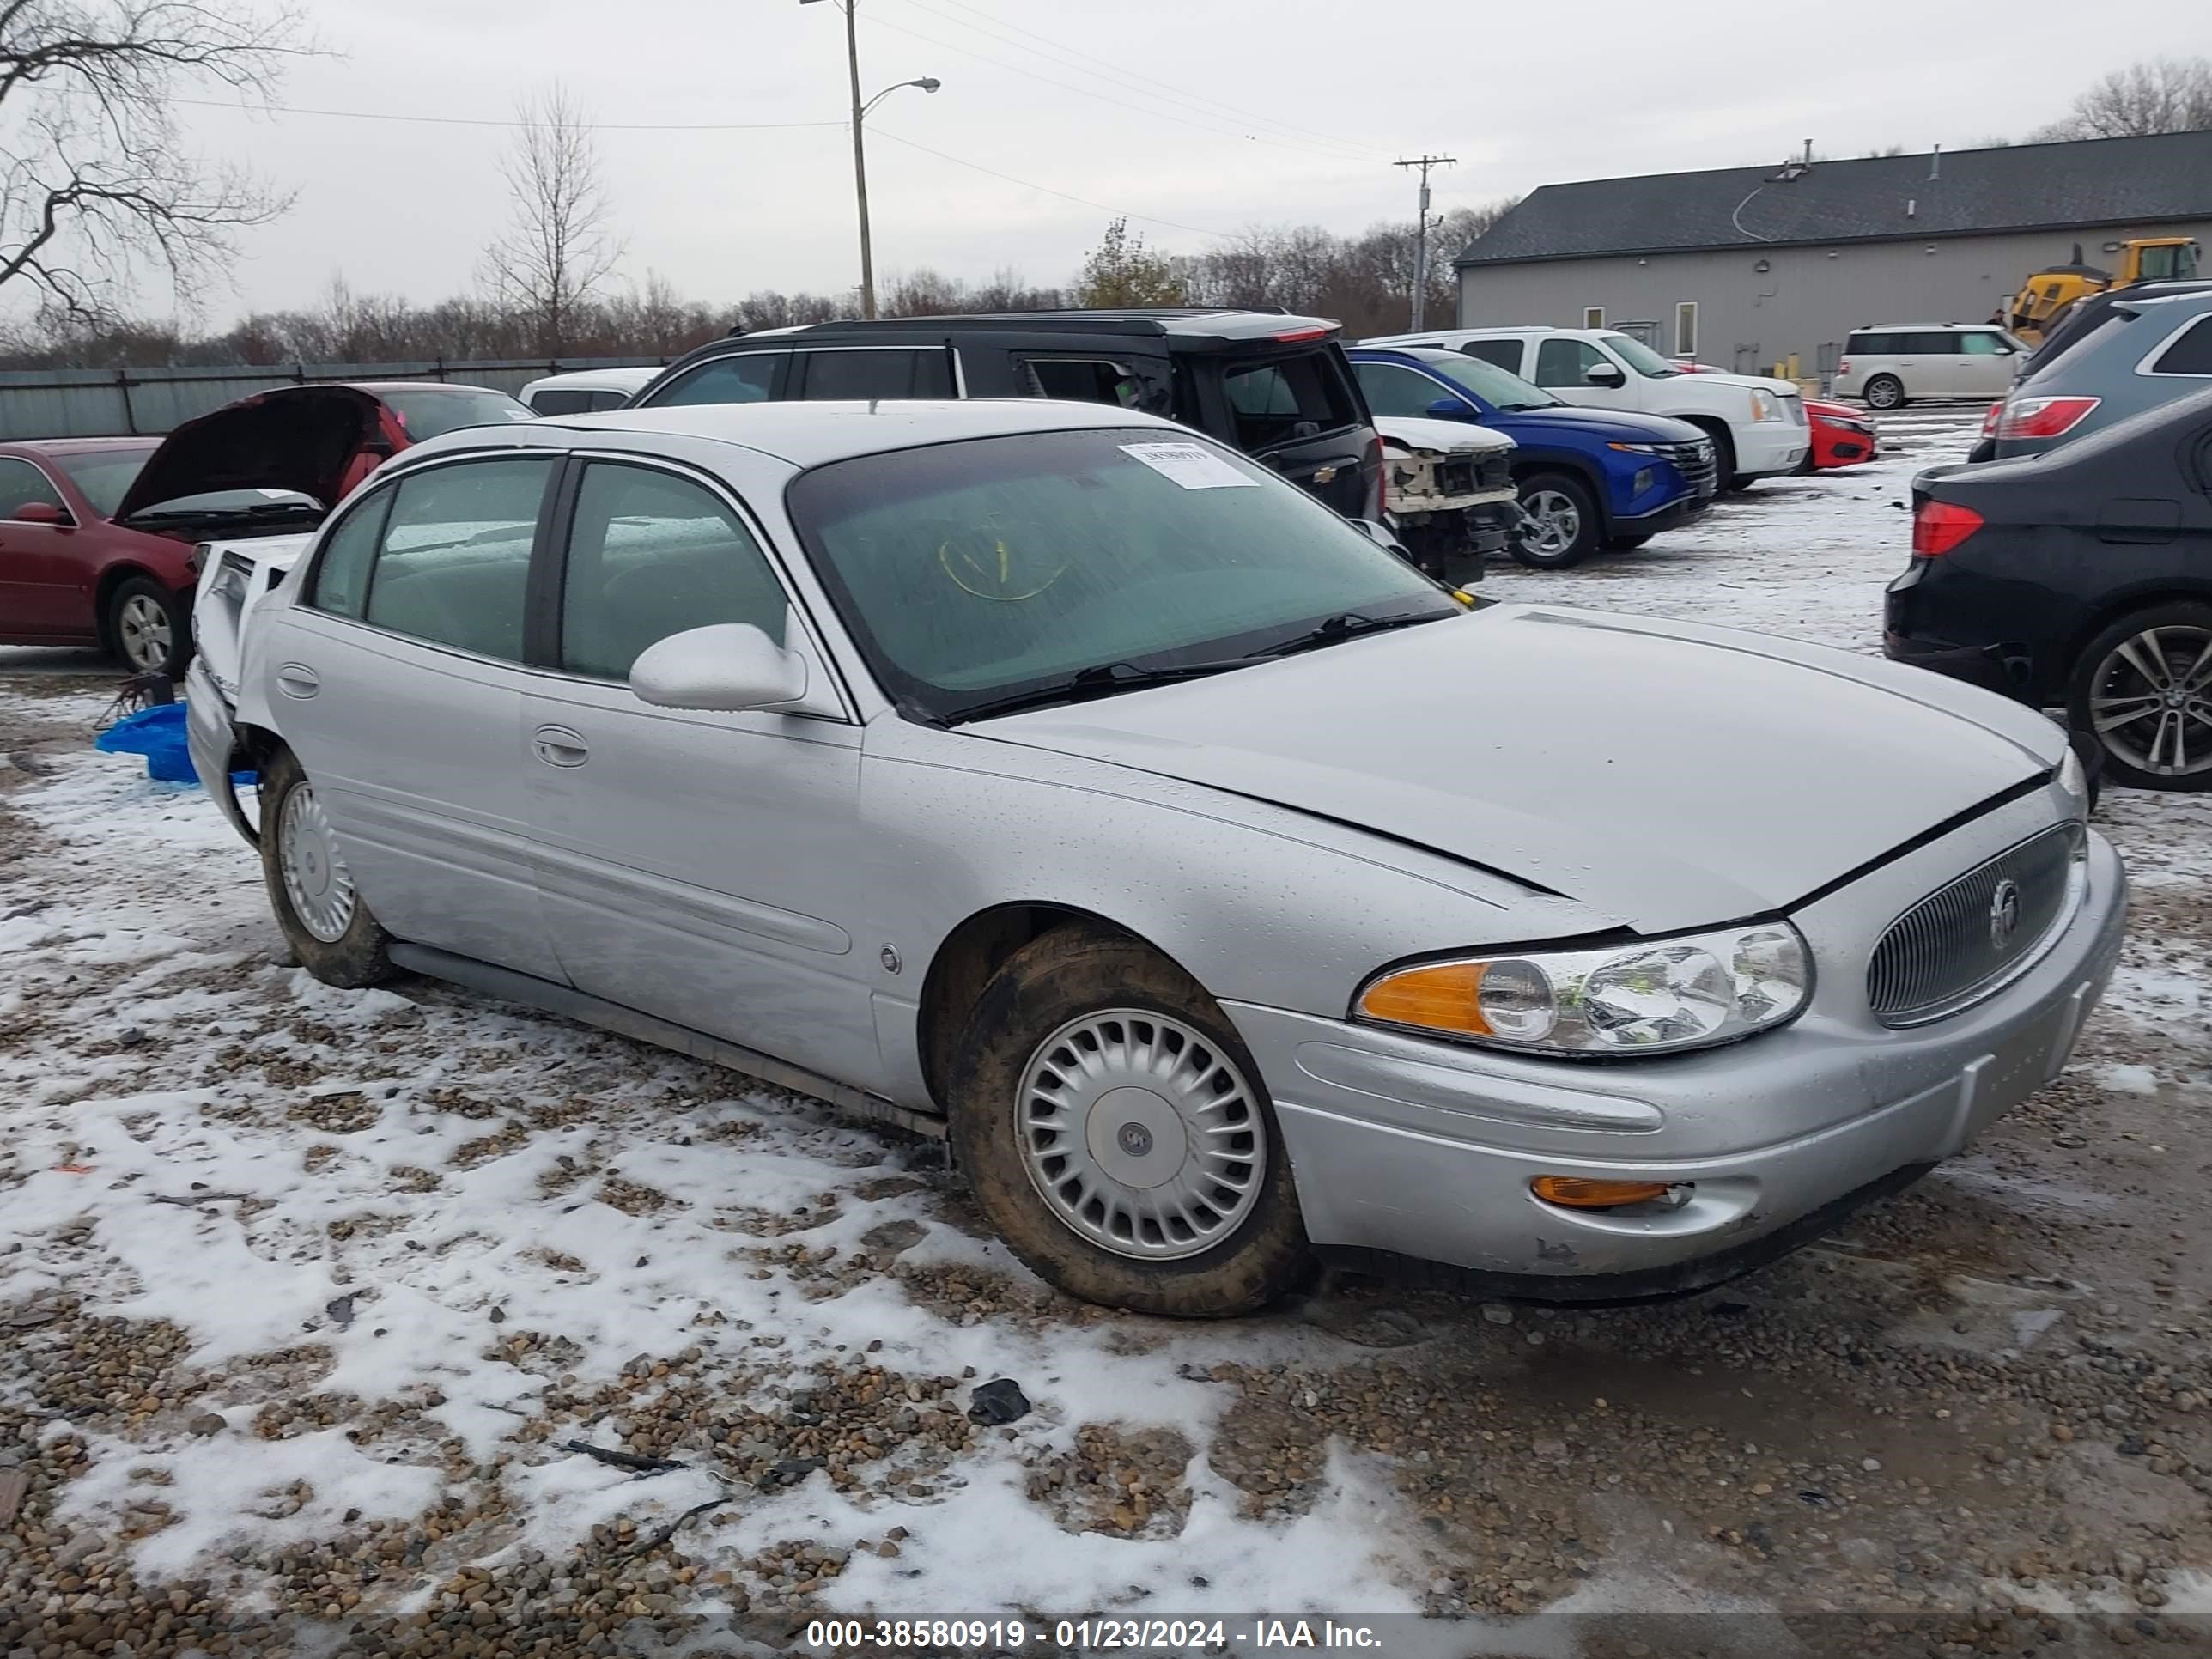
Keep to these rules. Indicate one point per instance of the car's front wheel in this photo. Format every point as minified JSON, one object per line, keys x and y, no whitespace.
{"x":1561,"y":523}
{"x":2142,"y":690}
{"x":311,"y":888}
{"x":148,"y":627}
{"x":1117,"y":1136}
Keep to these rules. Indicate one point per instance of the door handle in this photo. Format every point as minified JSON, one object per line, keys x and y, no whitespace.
{"x":556,"y":745}
{"x":296,"y":680}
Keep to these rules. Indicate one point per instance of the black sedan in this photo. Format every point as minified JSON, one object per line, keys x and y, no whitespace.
{"x":2080,"y":578}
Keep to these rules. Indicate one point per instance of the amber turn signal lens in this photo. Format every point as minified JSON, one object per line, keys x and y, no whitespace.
{"x":1442,"y":998}
{"x":1577,"y":1193}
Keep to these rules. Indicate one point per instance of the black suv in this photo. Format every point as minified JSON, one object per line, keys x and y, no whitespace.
{"x":1274,"y":386}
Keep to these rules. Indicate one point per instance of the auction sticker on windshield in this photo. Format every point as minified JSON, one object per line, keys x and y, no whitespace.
{"x":1191,"y":466}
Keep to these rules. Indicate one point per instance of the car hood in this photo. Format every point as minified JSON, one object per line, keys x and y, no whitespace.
{"x":1572,"y":420}
{"x":1670,"y":775}
{"x":1451,"y":437}
{"x":296,"y":438}
{"x":1762,"y":382}
{"x":1827,"y":412}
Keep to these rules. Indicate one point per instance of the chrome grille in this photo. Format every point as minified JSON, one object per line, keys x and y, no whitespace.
{"x":1966,"y":938}
{"x":1694,"y":461}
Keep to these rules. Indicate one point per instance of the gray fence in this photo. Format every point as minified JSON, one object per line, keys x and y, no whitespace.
{"x":100,"y":403}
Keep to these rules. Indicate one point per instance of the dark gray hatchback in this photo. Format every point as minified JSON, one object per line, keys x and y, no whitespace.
{"x":1276,"y":387}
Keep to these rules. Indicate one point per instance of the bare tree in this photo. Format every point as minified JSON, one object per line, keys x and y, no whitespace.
{"x":2161,"y":94}
{"x":96,"y":183}
{"x":560,"y":246}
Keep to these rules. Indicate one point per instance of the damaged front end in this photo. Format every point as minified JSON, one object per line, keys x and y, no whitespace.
{"x":1449,"y":491}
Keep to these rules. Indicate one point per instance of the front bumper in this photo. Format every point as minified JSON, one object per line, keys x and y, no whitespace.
{"x":1687,"y":509}
{"x":212,"y":741}
{"x":1410,"y":1149}
{"x":1766,"y":449}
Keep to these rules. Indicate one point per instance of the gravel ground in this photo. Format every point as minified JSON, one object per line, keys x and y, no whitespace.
{"x":402,"y":1322}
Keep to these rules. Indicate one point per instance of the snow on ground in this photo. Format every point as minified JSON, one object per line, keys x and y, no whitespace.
{"x":311,"y":1296}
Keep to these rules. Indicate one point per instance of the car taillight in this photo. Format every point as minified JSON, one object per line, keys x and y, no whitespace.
{"x":1939,"y":526}
{"x":1843,"y":365}
{"x":2044,"y":417}
{"x":1294,"y":334}
{"x":1989,"y":421}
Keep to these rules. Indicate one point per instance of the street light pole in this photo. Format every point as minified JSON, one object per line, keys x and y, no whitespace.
{"x":859,"y":147}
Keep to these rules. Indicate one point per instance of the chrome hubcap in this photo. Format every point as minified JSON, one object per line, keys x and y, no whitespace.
{"x":316,"y":880}
{"x":1558,"y":521}
{"x":2151,"y":701}
{"x":141,"y":629}
{"x":1881,"y":394}
{"x":1141,"y":1135}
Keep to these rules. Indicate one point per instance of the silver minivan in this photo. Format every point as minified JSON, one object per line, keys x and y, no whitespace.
{"x":1892,"y":365}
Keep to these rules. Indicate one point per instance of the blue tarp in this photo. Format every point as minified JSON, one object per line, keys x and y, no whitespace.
{"x":158,"y":733}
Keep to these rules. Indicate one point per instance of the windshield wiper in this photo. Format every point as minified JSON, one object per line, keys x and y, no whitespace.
{"x":1345,"y":625}
{"x":1100,"y":680}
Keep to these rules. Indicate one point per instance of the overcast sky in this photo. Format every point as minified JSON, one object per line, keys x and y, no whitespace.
{"x":1209,"y":114}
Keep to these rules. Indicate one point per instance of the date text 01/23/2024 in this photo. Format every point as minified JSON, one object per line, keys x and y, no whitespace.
{"x":1087,"y":1636}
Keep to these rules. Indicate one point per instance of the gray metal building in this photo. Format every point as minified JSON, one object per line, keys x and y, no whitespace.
{"x":1744,"y":267}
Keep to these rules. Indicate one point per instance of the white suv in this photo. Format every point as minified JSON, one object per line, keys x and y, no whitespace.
{"x":1756,"y":426}
{"x":1891,"y":365}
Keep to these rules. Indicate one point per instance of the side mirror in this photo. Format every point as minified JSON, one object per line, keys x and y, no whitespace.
{"x":1604,"y":374}
{"x":1451,"y":409}
{"x":42,"y":513}
{"x":725,"y":669}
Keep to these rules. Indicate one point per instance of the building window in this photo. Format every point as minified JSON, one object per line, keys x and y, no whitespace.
{"x":1593,"y":316}
{"x":1685,"y":329}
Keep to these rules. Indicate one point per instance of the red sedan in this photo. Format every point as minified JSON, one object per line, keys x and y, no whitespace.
{"x":1842,"y":435}
{"x":96,"y":534}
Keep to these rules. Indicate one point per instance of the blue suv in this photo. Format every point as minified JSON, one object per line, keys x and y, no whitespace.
{"x":1589,"y":478}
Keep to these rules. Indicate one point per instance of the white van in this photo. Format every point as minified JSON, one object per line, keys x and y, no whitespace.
{"x":1757,"y":425}
{"x":1890,"y":365}
{"x":586,"y":390}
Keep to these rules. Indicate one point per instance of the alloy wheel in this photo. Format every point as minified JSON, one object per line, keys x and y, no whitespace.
{"x":1556,"y":522}
{"x":142,"y":633}
{"x":316,"y":883}
{"x":2150,"y":701}
{"x":1142,"y":1136}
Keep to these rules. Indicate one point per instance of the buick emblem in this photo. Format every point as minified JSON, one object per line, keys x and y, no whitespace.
{"x":2004,"y":913}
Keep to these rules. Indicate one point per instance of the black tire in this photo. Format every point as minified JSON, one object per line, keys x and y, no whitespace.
{"x":1035,"y":1002}
{"x":1574,"y":509}
{"x":147,"y":627}
{"x":1628,"y":543}
{"x":358,"y":956}
{"x":1885,"y":391}
{"x":2109,"y":678}
{"x":1723,"y":452}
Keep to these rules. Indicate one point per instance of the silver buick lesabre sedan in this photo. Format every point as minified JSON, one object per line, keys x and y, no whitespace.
{"x":1050,"y":778}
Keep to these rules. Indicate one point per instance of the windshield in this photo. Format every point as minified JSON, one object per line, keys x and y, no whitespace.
{"x":438,"y":410}
{"x":1639,"y":357}
{"x":103,"y":474}
{"x":2162,"y":264}
{"x":1500,"y":387}
{"x":972,"y":572}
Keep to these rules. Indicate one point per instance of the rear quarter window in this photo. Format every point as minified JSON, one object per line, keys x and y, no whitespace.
{"x":1285,"y":398}
{"x":2189,"y":354}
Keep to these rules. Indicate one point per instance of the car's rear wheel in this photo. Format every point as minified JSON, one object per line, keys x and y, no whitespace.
{"x":1116,"y":1133}
{"x":1561,"y":528}
{"x":323,"y":915}
{"x":147,"y":627}
{"x":2142,"y":690}
{"x":1884,"y":392}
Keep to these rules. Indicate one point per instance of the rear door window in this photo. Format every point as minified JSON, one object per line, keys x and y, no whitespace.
{"x":1506,"y":354}
{"x":873,"y":373}
{"x":747,"y":377}
{"x":2192,"y":353}
{"x":1933,"y":342}
{"x":453,"y":561}
{"x":1286,"y":398}
{"x":1081,"y":380}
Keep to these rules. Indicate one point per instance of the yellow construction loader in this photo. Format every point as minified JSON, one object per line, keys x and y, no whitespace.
{"x":2046,"y":296}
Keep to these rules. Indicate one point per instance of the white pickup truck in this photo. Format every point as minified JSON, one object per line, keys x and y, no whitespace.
{"x":1757,"y":425}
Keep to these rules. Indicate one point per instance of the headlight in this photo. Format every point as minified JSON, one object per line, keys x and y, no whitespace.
{"x":2074,"y":781}
{"x":1688,"y":992}
{"x":1635,"y":449}
{"x":1765,"y":406}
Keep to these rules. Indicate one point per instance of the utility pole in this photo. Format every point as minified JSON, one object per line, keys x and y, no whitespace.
{"x":1421,"y":235}
{"x":860,"y":163}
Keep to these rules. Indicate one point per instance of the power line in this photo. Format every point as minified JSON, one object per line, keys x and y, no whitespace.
{"x":1131,"y":78}
{"x":1149,"y":218}
{"x":485,"y":121}
{"x":1087,"y":91}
